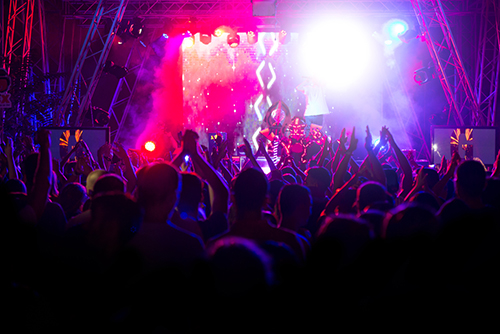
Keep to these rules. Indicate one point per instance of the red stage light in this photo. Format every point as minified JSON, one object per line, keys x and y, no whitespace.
{"x":150,"y":146}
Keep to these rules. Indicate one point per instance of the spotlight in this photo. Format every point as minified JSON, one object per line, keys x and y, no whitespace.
{"x":136,"y":27}
{"x":218,"y":32}
{"x":100,"y":116}
{"x":205,"y":38}
{"x":283,"y":36}
{"x":150,"y":146}
{"x":233,"y":39}
{"x":252,"y":37}
{"x":188,"y":40}
{"x":423,"y":75}
{"x":118,"y":71}
{"x":396,"y":28}
{"x":130,"y":28}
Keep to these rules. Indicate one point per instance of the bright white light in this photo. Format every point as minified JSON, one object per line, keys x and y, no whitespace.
{"x":336,"y":53}
{"x":150,"y":146}
{"x":435,"y":147}
{"x":388,"y":42}
{"x":395,"y":27}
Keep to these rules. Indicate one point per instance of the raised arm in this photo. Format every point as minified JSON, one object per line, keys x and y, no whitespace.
{"x":250,"y":156}
{"x":404,"y":164}
{"x":206,"y":171}
{"x":11,"y":164}
{"x":129,"y":173}
{"x":338,"y":176}
{"x":41,"y":184}
{"x":376,"y":166}
{"x":441,"y":184}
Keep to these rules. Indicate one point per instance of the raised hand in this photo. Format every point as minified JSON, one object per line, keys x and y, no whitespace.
{"x":248,"y":148}
{"x":353,"y":143}
{"x":383,"y":135}
{"x":368,"y":140}
{"x":190,"y":142}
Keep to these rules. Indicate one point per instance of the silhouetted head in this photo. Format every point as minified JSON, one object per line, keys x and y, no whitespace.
{"x":158,"y":185}
{"x":71,"y":198}
{"x":250,"y":191}
{"x":295,"y":201}
{"x":108,"y":182}
{"x":92,"y":179}
{"x":408,"y":221}
{"x":318,"y":180}
{"x":369,"y":193}
{"x":191,"y":190}
{"x":470,"y":179}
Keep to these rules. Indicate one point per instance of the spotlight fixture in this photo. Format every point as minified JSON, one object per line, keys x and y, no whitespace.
{"x":188,"y":40}
{"x":130,"y":28}
{"x":252,"y":37}
{"x":233,"y":39}
{"x":205,"y":38}
{"x":423,"y":75}
{"x":99,"y":116}
{"x":118,"y":71}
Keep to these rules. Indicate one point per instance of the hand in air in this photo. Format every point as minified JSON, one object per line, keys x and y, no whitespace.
{"x":353,"y":143}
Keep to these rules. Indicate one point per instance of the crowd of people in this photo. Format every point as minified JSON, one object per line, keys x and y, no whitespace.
{"x":176,"y":244}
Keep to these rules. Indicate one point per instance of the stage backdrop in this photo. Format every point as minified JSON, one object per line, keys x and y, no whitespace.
{"x":470,"y":142}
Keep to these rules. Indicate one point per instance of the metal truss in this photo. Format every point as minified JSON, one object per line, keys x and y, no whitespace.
{"x":446,"y":57}
{"x":243,"y":8}
{"x":121,"y":102}
{"x":95,"y":50}
{"x":488,"y":61}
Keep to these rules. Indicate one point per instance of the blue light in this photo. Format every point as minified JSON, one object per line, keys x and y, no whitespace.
{"x":396,"y":27}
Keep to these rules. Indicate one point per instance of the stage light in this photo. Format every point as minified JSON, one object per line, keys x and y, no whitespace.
{"x":117,"y":71}
{"x":233,"y":39}
{"x":150,"y":146}
{"x":423,"y":75}
{"x":188,"y":40}
{"x":99,"y":116}
{"x":218,"y":32}
{"x":136,"y":27}
{"x":394,"y":28}
{"x":342,"y":59}
{"x":205,"y":38}
{"x":252,"y":37}
{"x":130,"y":28}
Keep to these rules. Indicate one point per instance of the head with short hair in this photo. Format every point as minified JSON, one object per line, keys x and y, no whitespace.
{"x":369,"y":193}
{"x":71,"y":198}
{"x":92,"y":179}
{"x":318,"y":180}
{"x":192,"y":190}
{"x":291,"y":197}
{"x":158,"y":184}
{"x":108,"y":183}
{"x":250,"y":191}
{"x":470,"y":179}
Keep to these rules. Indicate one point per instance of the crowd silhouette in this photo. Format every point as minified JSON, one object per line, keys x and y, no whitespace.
{"x":175,"y":245}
